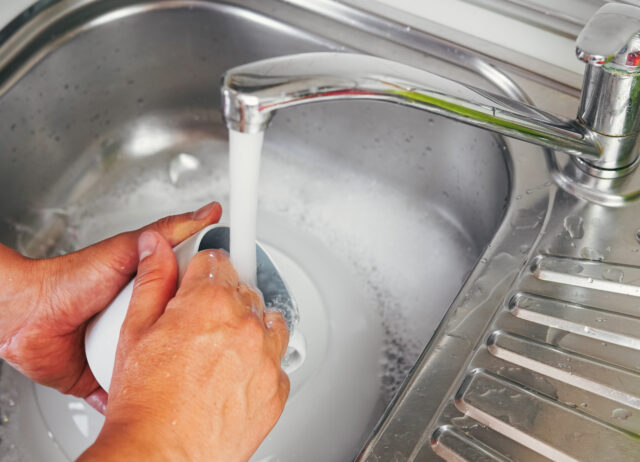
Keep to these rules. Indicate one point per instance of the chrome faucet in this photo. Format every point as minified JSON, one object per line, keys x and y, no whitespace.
{"x":604,"y":137}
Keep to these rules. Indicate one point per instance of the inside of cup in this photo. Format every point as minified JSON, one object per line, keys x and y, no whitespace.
{"x":215,"y":238}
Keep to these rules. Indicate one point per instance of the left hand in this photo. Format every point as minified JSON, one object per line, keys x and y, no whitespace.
{"x":45,"y":305}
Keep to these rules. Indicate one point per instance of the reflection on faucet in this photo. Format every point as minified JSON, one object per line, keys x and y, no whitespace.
{"x":604,"y":136}
{"x":251,"y":94}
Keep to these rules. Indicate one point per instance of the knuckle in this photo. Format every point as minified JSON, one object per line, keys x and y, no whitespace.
{"x":149,"y":277}
{"x":276,"y":323}
{"x":271,"y":374}
{"x":219,"y":254}
{"x":201,"y":257}
{"x":123,"y":262}
{"x":252,"y":327}
{"x":285,"y":384}
{"x":223,"y":298}
{"x":165,"y":224}
{"x":276,"y":317}
{"x":284,"y":393}
{"x":212,"y":255}
{"x":252,"y":297}
{"x":213,"y":264}
{"x":252,"y":333}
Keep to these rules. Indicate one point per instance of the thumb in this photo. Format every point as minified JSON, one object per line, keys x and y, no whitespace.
{"x":154,"y":285}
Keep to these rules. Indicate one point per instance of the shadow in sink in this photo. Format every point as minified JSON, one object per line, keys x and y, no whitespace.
{"x":378,"y":211}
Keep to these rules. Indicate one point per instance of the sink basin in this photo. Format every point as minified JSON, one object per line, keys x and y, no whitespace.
{"x":110,"y":119}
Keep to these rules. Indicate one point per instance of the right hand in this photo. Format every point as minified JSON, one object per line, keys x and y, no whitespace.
{"x":197,"y":375}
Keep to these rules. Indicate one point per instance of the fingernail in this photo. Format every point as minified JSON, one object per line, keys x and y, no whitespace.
{"x":203,"y":212}
{"x":147,"y":244}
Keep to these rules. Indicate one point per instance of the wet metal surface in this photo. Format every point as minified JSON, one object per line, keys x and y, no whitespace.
{"x":537,"y":357}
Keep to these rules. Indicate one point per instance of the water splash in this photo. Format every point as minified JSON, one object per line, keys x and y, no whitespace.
{"x":573,"y":225}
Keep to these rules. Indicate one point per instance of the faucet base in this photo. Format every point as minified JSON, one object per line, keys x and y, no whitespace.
{"x":610,"y":188}
{"x":604,"y":172}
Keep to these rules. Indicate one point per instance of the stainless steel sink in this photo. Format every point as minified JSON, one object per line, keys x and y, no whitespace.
{"x":408,"y":223}
{"x":117,"y":122}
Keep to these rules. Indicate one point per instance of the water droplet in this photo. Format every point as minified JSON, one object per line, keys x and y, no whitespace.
{"x":612,"y":274}
{"x":591,"y":254}
{"x":563,"y":266}
{"x":573,"y":226}
{"x":526,"y":219}
{"x":621,"y":414}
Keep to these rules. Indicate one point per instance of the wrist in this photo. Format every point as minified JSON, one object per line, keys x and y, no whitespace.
{"x":121,"y":441}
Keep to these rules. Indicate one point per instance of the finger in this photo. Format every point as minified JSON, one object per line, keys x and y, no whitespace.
{"x":252,"y":299}
{"x":111,"y":263}
{"x":177,"y":228}
{"x":277,"y":331}
{"x":120,"y":252}
{"x":210,"y":266}
{"x":154,"y":286}
{"x":98,"y":400}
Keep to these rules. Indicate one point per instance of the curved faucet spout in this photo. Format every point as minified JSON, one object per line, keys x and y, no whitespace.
{"x":252,"y":92}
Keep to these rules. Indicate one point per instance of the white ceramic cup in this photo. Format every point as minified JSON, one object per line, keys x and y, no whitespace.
{"x":103,"y":332}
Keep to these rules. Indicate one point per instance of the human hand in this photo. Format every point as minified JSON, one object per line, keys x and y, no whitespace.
{"x":45,"y":304}
{"x":199,"y":380}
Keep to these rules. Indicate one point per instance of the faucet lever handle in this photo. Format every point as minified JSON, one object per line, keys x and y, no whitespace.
{"x":611,"y":35}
